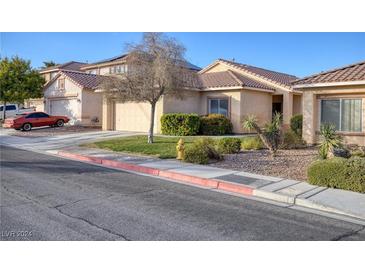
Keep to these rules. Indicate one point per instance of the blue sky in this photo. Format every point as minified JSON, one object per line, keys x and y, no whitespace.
{"x":300,"y":54}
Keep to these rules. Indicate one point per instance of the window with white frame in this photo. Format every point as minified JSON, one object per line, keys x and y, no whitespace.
{"x":61,"y":83}
{"x":345,"y":114}
{"x":218,"y":106}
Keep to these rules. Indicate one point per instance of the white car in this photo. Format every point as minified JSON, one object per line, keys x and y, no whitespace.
{"x":13,"y":109}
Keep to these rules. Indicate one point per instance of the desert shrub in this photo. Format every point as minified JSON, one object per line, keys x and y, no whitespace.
{"x":358,"y":153}
{"x":291,"y":141}
{"x":270,"y":135}
{"x":296,"y":124}
{"x":329,"y":140}
{"x":215,"y":124}
{"x":348,"y":174}
{"x":250,"y":143}
{"x":229,"y":145}
{"x":201,"y":151}
{"x":180,"y":124}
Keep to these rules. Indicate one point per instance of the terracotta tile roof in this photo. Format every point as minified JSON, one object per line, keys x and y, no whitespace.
{"x":123,"y":57}
{"x":228,"y":79}
{"x":72,"y":65}
{"x":274,"y":76}
{"x":354,"y":72}
{"x":85,"y":80}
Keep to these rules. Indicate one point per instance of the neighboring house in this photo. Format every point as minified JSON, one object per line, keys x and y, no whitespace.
{"x":232,"y":89}
{"x":71,"y":93}
{"x":338,"y":97}
{"x":48,"y":74}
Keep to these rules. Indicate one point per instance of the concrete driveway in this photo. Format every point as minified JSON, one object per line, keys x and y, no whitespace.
{"x":57,"y":141}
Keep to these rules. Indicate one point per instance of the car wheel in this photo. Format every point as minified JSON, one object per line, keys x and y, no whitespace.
{"x":27,"y":127}
{"x":60,"y":123}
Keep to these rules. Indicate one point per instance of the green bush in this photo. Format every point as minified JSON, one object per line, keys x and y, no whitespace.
{"x":296,"y":124}
{"x":229,"y":145}
{"x":250,"y":143}
{"x":348,"y":174}
{"x":215,"y":124}
{"x":180,"y":124}
{"x":201,"y":151}
{"x":291,"y":141}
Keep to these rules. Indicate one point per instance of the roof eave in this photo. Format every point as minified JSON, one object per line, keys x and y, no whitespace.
{"x":332,"y":84}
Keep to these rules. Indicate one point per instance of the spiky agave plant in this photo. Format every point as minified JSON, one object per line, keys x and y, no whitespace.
{"x":270,"y":135}
{"x":329,"y":140}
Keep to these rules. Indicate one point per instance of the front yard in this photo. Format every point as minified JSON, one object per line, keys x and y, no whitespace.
{"x":163,"y":147}
{"x":288,"y":163}
{"x":291,"y":164}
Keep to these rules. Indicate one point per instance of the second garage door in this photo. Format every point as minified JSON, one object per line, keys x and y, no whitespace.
{"x":132,"y":116}
{"x":66,"y":107}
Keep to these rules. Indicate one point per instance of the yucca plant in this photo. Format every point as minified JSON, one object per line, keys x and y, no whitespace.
{"x":329,"y":140}
{"x":270,"y":135}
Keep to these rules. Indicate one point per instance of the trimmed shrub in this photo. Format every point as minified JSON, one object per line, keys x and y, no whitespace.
{"x":348,"y":174}
{"x":291,"y":141}
{"x":201,"y":151}
{"x":215,"y":124}
{"x":229,"y":145}
{"x":249,"y":143}
{"x":180,"y":124}
{"x":296,"y":124}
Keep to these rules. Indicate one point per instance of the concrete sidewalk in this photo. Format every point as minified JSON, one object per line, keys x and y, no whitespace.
{"x":282,"y":190}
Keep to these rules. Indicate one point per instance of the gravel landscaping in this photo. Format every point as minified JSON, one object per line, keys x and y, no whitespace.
{"x":52,"y":131}
{"x":290,"y":164}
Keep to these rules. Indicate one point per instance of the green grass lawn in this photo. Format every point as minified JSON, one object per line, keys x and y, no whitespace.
{"x":163,"y":147}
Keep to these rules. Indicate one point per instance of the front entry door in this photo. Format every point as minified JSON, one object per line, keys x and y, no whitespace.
{"x":277,"y":107}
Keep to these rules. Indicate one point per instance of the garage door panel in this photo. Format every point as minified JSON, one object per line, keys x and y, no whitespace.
{"x":132,"y":116}
{"x":65,"y":107}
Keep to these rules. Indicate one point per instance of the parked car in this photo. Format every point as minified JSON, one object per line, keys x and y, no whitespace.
{"x":13,"y":109}
{"x":27,"y":121}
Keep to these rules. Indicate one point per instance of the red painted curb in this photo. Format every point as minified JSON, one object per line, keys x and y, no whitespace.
{"x":236,"y":188}
{"x":80,"y":157}
{"x":222,"y":185}
{"x":132,"y":167}
{"x":189,"y":179}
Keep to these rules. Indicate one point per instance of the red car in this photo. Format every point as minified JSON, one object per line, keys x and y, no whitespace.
{"x":26,"y":121}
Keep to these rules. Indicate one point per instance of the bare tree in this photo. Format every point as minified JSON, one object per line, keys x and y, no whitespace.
{"x":155,"y":67}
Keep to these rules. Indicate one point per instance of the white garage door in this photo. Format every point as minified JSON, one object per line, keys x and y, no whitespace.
{"x":132,"y":116}
{"x":65,"y":107}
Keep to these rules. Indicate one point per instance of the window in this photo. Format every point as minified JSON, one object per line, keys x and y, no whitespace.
{"x":38,"y":115}
{"x":118,"y":69}
{"x":345,"y":114}
{"x":218,"y":106}
{"x":10,"y":107}
{"x":61,"y":84}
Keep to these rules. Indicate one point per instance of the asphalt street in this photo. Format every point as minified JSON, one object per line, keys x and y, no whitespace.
{"x":49,"y":198}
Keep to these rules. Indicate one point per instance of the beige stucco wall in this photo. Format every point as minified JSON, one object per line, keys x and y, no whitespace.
{"x":258,"y":104}
{"x":311,"y":112}
{"x":91,"y":108}
{"x":35,"y":102}
{"x":189,"y":103}
{"x":297,"y":104}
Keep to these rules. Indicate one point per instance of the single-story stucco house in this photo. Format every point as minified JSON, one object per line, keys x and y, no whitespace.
{"x":223,"y":87}
{"x":336,"y":96}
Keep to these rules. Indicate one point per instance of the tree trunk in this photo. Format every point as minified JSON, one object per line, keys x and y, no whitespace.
{"x":152,"y":123}
{"x":4,"y":111}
